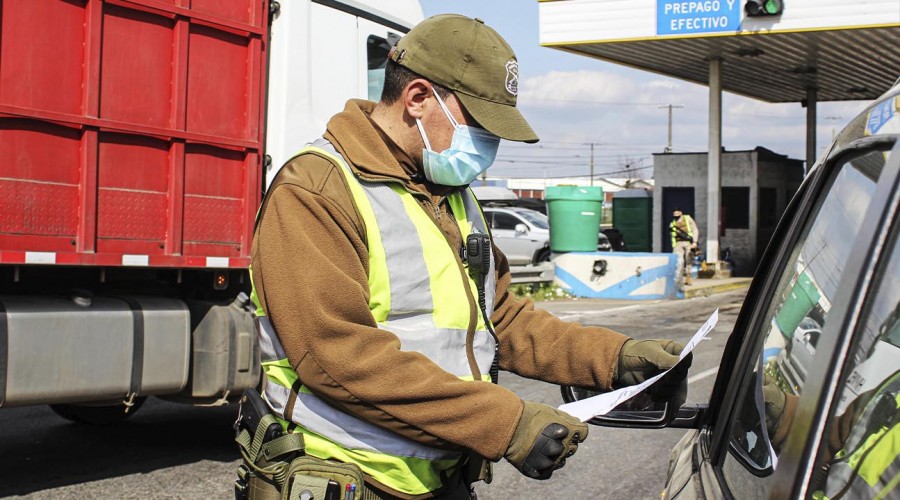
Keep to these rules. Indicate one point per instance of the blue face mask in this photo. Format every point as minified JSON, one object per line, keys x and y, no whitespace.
{"x":472,"y":150}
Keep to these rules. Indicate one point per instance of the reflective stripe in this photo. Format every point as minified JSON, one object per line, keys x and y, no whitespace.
{"x":410,"y":287}
{"x":270,"y":347}
{"x":442,"y":345}
{"x":351,"y":432}
{"x":444,"y":272}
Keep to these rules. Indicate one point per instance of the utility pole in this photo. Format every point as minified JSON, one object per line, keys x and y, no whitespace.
{"x":670,"y":106}
{"x":592,"y":164}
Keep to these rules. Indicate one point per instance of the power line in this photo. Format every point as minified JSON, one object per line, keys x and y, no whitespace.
{"x":609,"y":161}
{"x":598,"y":175}
{"x":545,"y":144}
{"x":526,"y":102}
{"x":573,"y":157}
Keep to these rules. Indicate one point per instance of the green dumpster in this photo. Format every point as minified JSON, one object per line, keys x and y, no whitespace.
{"x":574,"y":213}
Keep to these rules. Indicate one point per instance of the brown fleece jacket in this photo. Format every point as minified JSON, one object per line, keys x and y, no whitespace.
{"x":310,"y":265}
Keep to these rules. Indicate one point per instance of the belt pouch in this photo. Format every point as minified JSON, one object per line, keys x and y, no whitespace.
{"x":311,"y":473}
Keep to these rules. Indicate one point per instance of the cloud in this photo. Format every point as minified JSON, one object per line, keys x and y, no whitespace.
{"x":619,"y":112}
{"x":575,"y":87}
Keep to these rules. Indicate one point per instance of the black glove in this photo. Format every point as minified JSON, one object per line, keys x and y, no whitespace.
{"x":642,"y":359}
{"x":543,"y":440}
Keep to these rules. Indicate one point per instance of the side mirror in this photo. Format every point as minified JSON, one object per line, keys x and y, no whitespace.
{"x":521,"y":228}
{"x":640,"y":412}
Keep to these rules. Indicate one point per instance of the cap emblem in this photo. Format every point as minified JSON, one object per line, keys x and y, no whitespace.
{"x":512,"y":77}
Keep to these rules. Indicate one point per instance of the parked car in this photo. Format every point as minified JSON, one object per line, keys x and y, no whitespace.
{"x":523,"y":235}
{"x":603,"y":243}
{"x":797,"y":356}
{"x":616,"y":239}
{"x":843,"y":439}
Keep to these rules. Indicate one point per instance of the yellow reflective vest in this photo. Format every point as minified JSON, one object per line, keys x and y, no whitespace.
{"x":686,"y":225}
{"x":869,"y":464}
{"x":418,"y":293}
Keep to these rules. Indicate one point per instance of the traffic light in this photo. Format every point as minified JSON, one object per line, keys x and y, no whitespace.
{"x":760,"y":8}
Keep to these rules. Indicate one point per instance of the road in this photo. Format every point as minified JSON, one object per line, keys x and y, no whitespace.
{"x":170,"y":450}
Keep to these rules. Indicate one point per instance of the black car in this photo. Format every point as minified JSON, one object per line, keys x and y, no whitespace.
{"x":834,"y":262}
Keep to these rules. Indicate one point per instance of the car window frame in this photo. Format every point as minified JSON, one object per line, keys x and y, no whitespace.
{"x":742,"y":348}
{"x":850,"y":308}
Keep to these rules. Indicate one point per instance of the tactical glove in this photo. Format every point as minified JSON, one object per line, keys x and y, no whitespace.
{"x":642,"y":359}
{"x":543,"y":440}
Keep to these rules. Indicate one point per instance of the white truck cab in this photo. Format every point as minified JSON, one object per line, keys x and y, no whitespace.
{"x":321,"y":54}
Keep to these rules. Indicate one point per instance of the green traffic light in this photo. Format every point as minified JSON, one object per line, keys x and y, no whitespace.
{"x":755,"y":8}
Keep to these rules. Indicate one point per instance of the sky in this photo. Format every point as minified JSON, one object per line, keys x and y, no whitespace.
{"x":576,"y":103}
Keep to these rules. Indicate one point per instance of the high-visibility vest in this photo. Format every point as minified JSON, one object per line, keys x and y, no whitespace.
{"x":869,"y":464}
{"x":417,"y":292}
{"x":686,"y":219}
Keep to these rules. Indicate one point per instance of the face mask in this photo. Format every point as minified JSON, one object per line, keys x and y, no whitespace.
{"x":472,"y":150}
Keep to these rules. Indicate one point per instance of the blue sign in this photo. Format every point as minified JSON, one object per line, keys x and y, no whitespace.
{"x":686,"y":17}
{"x":879,"y":115}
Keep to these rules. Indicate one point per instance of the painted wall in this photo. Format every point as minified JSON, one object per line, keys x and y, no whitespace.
{"x":635,"y":276}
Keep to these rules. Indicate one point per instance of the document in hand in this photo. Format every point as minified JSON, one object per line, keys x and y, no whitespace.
{"x":602,"y":404}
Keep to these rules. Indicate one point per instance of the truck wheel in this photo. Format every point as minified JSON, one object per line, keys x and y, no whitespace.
{"x":543,"y":255}
{"x":97,"y":415}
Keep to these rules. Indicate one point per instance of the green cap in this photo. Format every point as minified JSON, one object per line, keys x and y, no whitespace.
{"x":475,"y":62}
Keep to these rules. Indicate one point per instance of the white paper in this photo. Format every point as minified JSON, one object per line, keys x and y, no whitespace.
{"x":602,"y":404}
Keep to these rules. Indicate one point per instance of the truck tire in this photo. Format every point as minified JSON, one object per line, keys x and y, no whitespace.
{"x":97,"y":415}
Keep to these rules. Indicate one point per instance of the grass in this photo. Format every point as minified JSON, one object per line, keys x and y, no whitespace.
{"x":539,"y":291}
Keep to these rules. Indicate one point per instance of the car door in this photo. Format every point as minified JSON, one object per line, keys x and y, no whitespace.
{"x":743,"y":444}
{"x":515,"y":244}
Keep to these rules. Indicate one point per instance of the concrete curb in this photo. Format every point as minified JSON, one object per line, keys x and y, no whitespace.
{"x":714,"y":288}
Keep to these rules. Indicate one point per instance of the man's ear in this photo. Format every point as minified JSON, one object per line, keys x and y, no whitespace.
{"x":414,"y":96}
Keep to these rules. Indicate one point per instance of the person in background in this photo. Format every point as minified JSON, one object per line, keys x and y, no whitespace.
{"x":384,"y":312}
{"x":685,"y":236}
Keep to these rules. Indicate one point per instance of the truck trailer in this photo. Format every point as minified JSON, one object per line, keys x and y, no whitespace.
{"x":137,"y":138}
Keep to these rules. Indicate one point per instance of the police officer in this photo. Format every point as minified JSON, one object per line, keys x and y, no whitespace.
{"x":375,"y":346}
{"x":685,"y":235}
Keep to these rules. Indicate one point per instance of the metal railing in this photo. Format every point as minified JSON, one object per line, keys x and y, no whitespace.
{"x":540,"y":273}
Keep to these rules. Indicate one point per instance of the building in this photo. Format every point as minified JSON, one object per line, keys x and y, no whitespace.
{"x":756,"y":188}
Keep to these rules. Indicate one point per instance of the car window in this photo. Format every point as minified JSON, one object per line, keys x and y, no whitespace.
{"x":859,"y":456}
{"x":536,"y":219}
{"x":505,"y":221}
{"x":794,"y":317}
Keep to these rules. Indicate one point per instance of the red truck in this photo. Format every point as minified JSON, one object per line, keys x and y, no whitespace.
{"x":132,"y":164}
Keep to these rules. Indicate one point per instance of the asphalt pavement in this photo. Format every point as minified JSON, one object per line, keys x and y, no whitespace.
{"x":170,"y":450}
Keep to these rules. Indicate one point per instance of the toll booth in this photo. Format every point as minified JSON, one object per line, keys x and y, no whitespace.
{"x":800,"y":51}
{"x":756,"y":187}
